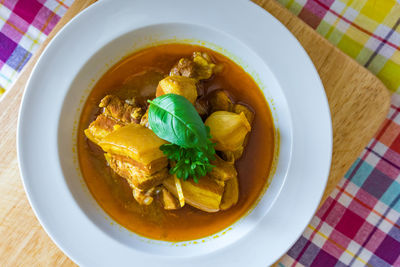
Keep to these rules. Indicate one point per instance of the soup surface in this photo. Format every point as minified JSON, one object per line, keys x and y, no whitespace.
{"x":137,"y":75}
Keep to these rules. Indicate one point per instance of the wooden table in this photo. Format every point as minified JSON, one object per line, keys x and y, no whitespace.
{"x":358,"y":101}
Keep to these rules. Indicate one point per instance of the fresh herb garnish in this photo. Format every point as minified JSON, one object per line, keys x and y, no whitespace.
{"x":190,"y":162}
{"x":173,"y":118}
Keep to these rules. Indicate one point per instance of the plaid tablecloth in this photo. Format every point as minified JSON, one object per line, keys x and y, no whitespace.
{"x":24,"y":25}
{"x":359,"y":224}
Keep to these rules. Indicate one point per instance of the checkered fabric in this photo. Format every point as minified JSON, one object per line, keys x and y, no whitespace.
{"x":359,"y":224}
{"x":366,"y":30}
{"x":24,"y":25}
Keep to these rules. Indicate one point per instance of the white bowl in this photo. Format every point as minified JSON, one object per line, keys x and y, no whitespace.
{"x":103,"y":34}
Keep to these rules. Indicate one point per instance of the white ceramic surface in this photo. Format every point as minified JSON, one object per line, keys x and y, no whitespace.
{"x":100,"y":36}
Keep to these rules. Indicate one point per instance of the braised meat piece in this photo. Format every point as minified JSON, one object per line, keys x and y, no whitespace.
{"x":223,"y":170}
{"x":143,"y":197}
{"x":231,"y":194}
{"x":219,"y":101}
{"x":239,"y":108}
{"x":136,"y":176}
{"x":101,"y":127}
{"x":201,"y":107}
{"x":204,"y":66}
{"x":169,"y":201}
{"x":132,"y":151}
{"x":184,"y":67}
{"x":199,"y":67}
{"x":120,"y":110}
{"x":144,"y":121}
{"x":137,"y":143}
{"x":205,"y":195}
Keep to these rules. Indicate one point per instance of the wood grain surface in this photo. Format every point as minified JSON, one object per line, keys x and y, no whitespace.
{"x":358,"y":102}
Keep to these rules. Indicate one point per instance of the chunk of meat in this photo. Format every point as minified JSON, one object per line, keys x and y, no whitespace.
{"x":149,"y":169}
{"x":219,"y":101}
{"x":136,"y":177}
{"x":205,"y":195}
{"x":200,"y":67}
{"x":231,"y":194}
{"x":120,"y":110}
{"x":143,"y":197}
{"x":116,"y":113}
{"x":201,"y":107}
{"x":169,"y":201}
{"x":223,"y":170}
{"x":228,"y":130}
{"x":184,"y":67}
{"x":136,"y":142}
{"x":232,"y":156}
{"x":203,"y":65}
{"x":101,"y":127}
{"x":145,"y":119}
{"x":178,"y":85}
{"x":239,"y":108}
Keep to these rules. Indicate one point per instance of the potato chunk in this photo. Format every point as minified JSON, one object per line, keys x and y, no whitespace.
{"x":136,"y":142}
{"x":179,"y":85}
{"x":219,"y":100}
{"x":228,"y":130}
{"x":205,"y":195}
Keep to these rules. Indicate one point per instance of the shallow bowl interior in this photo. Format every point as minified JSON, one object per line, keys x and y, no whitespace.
{"x":135,"y":40}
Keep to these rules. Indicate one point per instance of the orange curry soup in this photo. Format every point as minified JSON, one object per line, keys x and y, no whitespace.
{"x":137,"y":75}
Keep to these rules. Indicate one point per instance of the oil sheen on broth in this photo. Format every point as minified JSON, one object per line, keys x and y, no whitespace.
{"x":138,"y":75}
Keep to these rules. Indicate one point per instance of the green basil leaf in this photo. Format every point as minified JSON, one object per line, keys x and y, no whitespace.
{"x":173,"y":118}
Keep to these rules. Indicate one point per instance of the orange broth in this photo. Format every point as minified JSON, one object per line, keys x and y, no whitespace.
{"x":138,"y":75}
